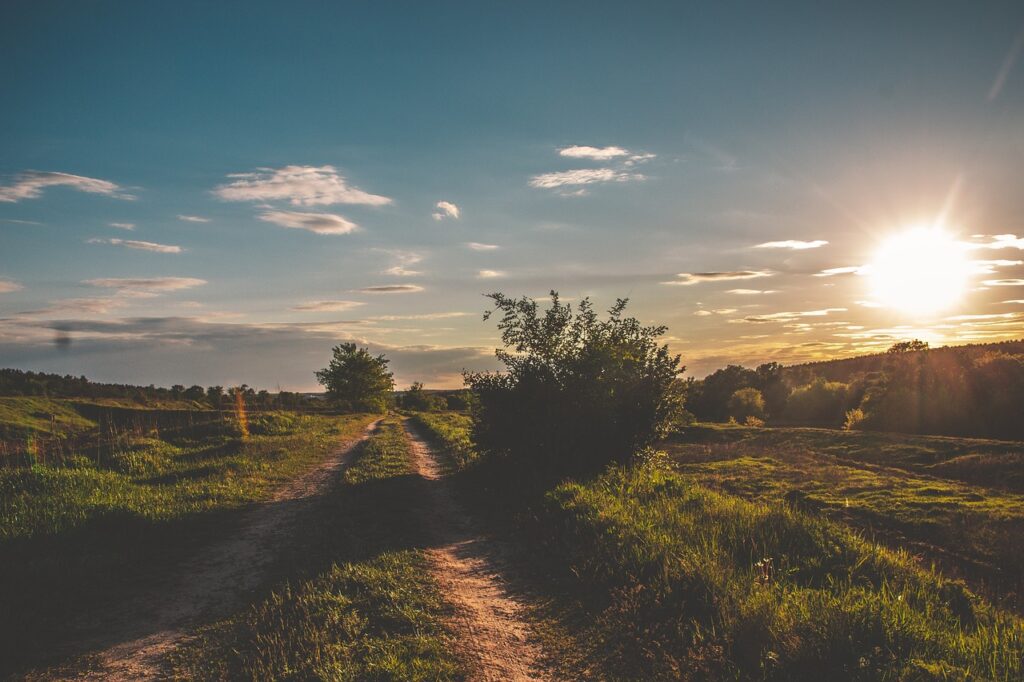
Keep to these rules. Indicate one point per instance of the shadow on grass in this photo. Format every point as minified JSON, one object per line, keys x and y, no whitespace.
{"x":114,"y":578}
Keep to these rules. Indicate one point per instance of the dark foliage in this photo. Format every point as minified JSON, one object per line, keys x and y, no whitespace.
{"x":356,"y":380}
{"x":578,"y":391}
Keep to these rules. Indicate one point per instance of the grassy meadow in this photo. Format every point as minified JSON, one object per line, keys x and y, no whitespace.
{"x":738,"y":554}
{"x":87,"y":530}
{"x":360,"y":605}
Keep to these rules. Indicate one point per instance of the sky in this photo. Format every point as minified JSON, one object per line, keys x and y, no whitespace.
{"x":218,"y":193}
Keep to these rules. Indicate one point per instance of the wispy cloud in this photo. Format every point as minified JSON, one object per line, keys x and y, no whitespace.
{"x":142,"y":246}
{"x":123,"y":226}
{"x":193,"y":219}
{"x":420,"y":316}
{"x":391,"y":289}
{"x":446,"y":209}
{"x":688,"y":278}
{"x":998,"y":241}
{"x":1003,"y":282}
{"x":89,"y":306}
{"x":845,"y":270}
{"x":790,"y":316}
{"x":751,"y":292}
{"x":319,"y":223}
{"x":582,"y":176}
{"x":596,"y":153}
{"x":327,"y":306}
{"x":30,"y":185}
{"x":299,"y":185}
{"x":794,"y":244}
{"x":19,"y":222}
{"x":9,"y":285}
{"x":477,"y":246}
{"x":717,"y":311}
{"x":489,"y":274}
{"x":146,"y":284}
{"x":403,"y":259}
{"x":988,"y":267}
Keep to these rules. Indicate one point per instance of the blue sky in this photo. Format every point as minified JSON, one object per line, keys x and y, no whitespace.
{"x":599,"y":149}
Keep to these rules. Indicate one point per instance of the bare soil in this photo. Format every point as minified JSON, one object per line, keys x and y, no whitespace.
{"x":492,"y":635}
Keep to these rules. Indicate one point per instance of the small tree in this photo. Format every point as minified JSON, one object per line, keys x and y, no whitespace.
{"x":746,"y":402}
{"x":907,"y":347}
{"x":418,"y":399}
{"x":578,"y":391}
{"x":356,"y":380}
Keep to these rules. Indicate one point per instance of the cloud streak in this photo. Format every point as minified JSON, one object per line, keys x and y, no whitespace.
{"x":327,"y":306}
{"x":298,"y":185}
{"x":690,"y":278}
{"x":9,"y":285}
{"x":794,"y":244}
{"x":193,"y":219}
{"x":31,"y":184}
{"x":582,"y":176}
{"x":139,"y":245}
{"x":318,"y":223}
{"x":477,"y":246}
{"x":146,"y":284}
{"x":391,"y":289}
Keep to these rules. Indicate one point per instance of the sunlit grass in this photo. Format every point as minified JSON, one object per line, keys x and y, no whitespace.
{"x":376,"y":618}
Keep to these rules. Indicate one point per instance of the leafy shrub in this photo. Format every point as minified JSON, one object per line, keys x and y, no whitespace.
{"x":273,"y":424}
{"x":819,"y":402}
{"x":578,"y":391}
{"x":854,"y":419}
{"x":745,"y":403}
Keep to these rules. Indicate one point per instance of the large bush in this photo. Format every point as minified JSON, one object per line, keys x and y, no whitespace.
{"x":745,"y":403}
{"x":820,"y":402}
{"x":578,"y":391}
{"x":356,"y":380}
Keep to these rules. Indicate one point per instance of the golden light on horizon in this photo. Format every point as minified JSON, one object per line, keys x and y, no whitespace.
{"x":919,"y":271}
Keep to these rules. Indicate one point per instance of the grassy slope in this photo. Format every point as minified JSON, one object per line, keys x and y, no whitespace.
{"x":656,"y":576}
{"x":360,"y":605}
{"x":670,"y":572}
{"x":21,"y":417}
{"x":971,"y":530}
{"x":992,"y":463}
{"x":72,"y":539}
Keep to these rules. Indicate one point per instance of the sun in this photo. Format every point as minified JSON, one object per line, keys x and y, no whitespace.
{"x":920,"y":270}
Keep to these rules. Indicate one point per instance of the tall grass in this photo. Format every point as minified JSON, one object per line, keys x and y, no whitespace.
{"x":684,"y":581}
{"x":77,"y":537}
{"x":375,"y":616}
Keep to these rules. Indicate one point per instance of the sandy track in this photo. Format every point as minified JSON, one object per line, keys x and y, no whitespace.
{"x":492,"y":635}
{"x":151,"y":627}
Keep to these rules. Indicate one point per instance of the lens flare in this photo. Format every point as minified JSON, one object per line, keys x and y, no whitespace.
{"x":922,"y":270}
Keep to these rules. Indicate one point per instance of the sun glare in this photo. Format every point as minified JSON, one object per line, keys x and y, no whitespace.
{"x":921,"y":270}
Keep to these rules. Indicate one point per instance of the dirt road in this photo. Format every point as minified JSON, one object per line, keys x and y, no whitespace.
{"x":491,"y":633}
{"x":153,"y":626}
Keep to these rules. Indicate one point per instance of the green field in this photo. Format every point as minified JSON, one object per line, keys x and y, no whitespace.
{"x":82,"y":534}
{"x":777,"y":554}
{"x":377,"y":615}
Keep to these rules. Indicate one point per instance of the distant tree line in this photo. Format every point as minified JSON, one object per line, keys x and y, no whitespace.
{"x":973,"y":390}
{"x":16,"y":382}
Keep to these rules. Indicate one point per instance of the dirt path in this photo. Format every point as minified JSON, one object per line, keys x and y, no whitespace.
{"x":157,"y":624}
{"x":492,"y":635}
